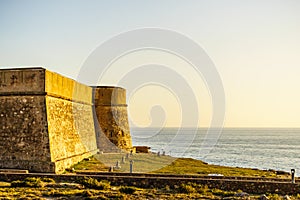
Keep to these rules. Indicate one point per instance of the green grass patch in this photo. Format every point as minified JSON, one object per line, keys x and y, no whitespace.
{"x":192,"y":166}
{"x":151,"y":163}
{"x":142,"y":162}
{"x":92,"y":164}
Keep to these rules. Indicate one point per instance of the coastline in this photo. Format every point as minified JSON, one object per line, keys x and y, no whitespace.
{"x":262,"y":148}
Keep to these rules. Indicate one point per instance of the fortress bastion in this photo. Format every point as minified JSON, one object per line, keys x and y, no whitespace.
{"x":49,"y":122}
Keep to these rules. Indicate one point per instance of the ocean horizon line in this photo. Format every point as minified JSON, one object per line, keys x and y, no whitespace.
{"x":203,"y":127}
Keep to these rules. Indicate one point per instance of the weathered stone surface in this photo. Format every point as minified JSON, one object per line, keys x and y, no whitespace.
{"x":24,"y":141}
{"x":71,"y":131}
{"x":47,"y":121}
{"x":109,"y":96}
{"x":111,"y":111}
{"x":18,"y":81}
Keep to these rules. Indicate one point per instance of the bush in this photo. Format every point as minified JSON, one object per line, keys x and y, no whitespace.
{"x":167,"y":188}
{"x":127,"y":190}
{"x":28,"y":182}
{"x":202,"y":189}
{"x":183,"y":188}
{"x":94,"y":183}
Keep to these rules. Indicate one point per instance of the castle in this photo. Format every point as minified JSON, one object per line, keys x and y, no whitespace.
{"x":49,"y":122}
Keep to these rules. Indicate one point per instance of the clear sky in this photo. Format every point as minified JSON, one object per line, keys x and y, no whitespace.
{"x":255,"y":46}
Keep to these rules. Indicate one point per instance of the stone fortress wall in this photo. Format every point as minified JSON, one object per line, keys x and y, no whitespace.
{"x":111,"y":112}
{"x":47,"y":121}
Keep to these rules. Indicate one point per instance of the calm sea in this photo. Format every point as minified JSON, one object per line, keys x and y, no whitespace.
{"x":262,"y":148}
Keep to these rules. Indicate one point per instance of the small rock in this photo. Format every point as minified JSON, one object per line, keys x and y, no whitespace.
{"x":263,"y":197}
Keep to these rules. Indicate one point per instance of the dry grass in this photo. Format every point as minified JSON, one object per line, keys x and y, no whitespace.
{"x":182,"y":191}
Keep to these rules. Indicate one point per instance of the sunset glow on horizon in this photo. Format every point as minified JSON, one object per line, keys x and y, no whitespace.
{"x":254,"y":45}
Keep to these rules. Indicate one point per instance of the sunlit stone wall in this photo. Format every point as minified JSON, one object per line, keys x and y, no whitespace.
{"x":46,"y":120}
{"x":112,"y":118}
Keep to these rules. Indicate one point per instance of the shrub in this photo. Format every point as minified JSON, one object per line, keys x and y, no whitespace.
{"x":28,"y":182}
{"x":167,"y":188}
{"x":202,"y":189}
{"x":127,"y":190}
{"x":94,"y":183}
{"x":183,"y":188}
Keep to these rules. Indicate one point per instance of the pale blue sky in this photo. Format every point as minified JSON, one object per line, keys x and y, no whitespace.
{"x":255,"y":45}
